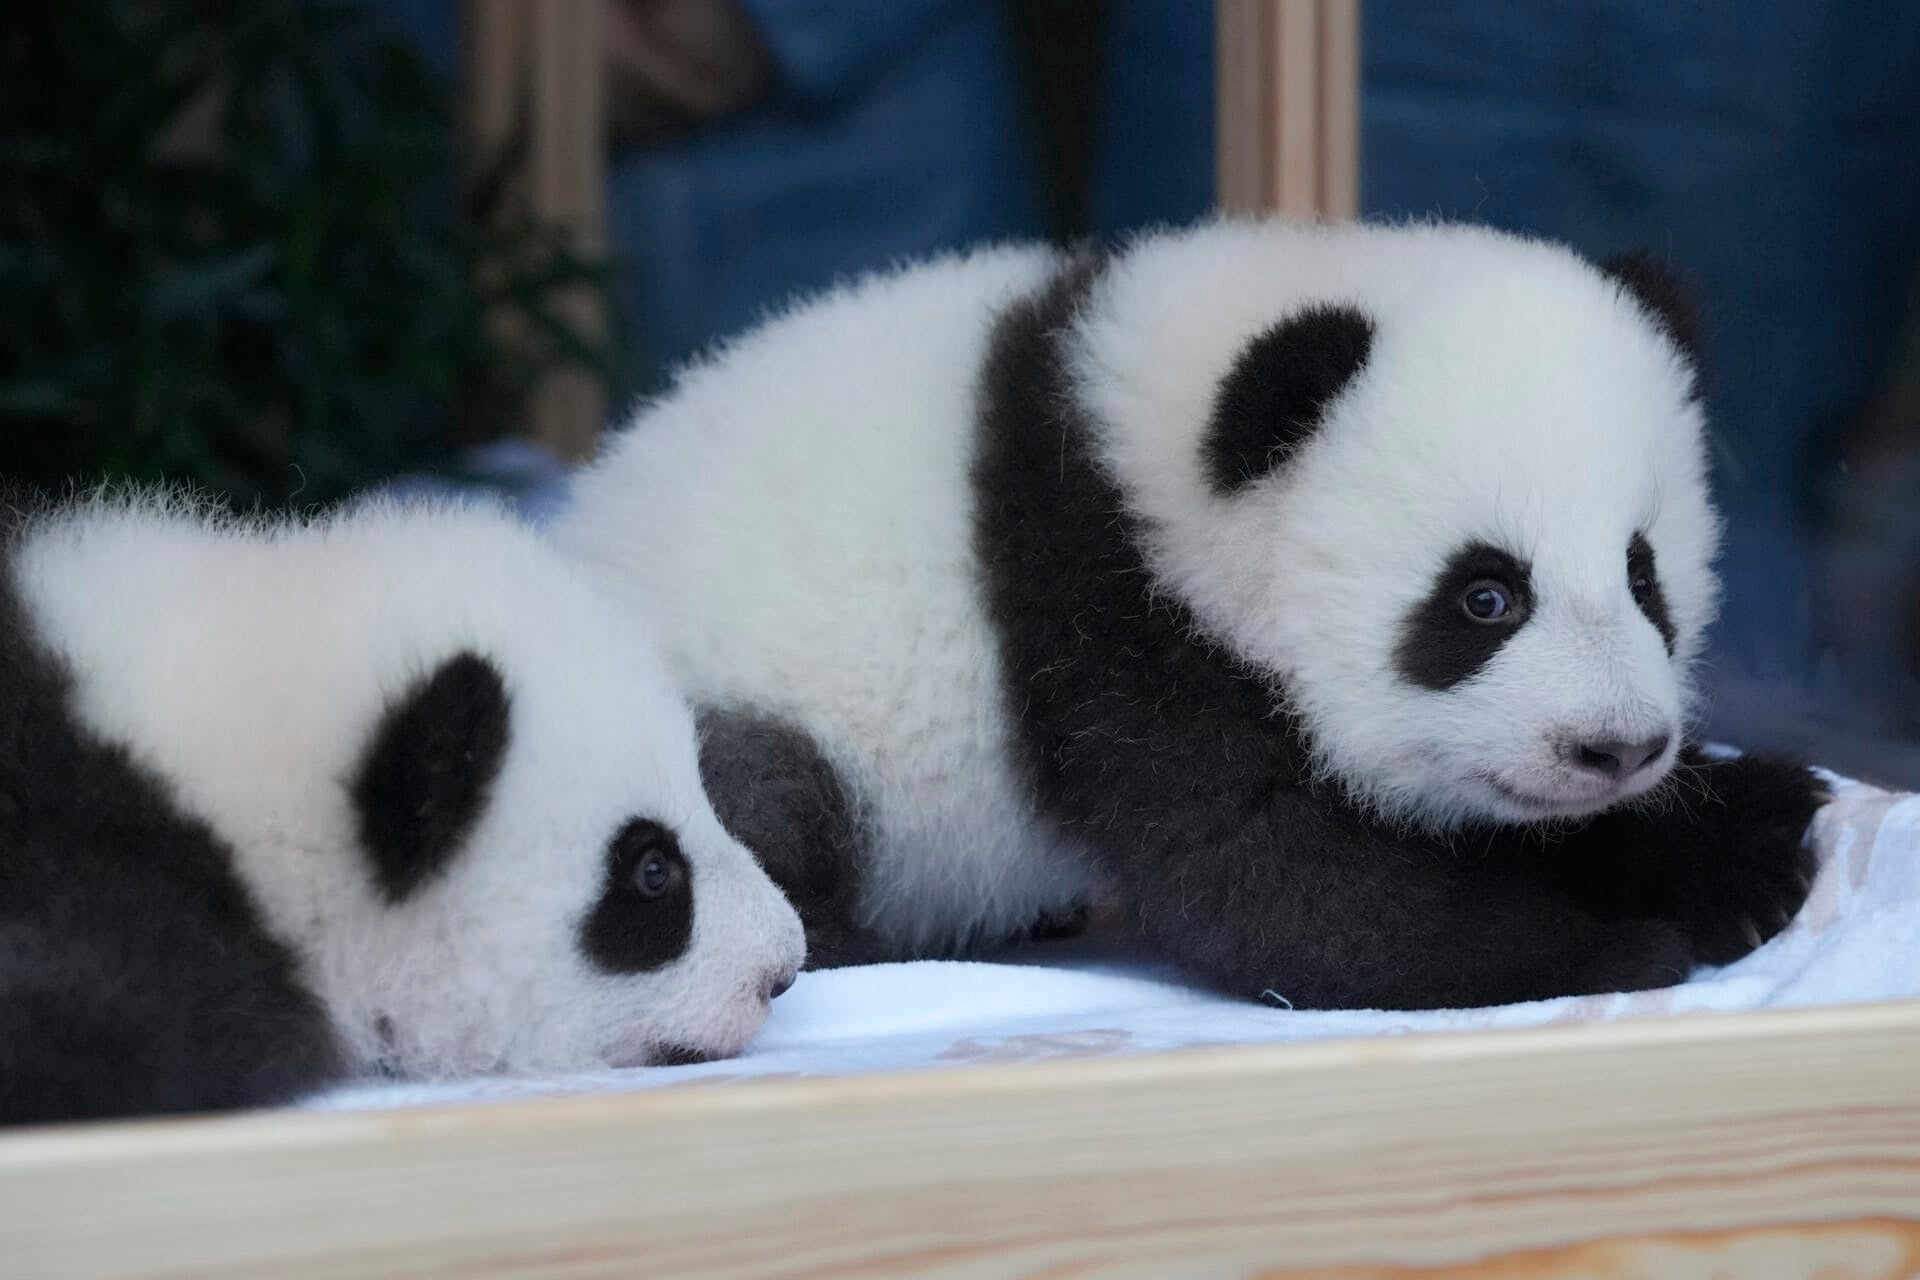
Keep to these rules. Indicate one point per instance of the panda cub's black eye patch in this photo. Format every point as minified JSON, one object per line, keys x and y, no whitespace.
{"x":1643,"y":582}
{"x":1479,"y":599}
{"x":644,"y":916}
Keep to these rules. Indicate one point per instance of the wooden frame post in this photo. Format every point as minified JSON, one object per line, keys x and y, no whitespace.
{"x":1287,"y":107}
{"x":538,"y":71}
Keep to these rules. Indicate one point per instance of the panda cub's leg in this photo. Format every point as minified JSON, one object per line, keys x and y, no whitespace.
{"x":137,"y":975}
{"x":776,"y":792}
{"x":1306,"y":903}
{"x":1719,"y":850}
{"x":141,"y":996}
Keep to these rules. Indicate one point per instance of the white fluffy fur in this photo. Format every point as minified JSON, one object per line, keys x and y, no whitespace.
{"x":249,"y":663}
{"x":798,"y":513}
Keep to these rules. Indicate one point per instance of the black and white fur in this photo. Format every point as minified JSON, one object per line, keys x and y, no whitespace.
{"x":396,"y":790}
{"x":1038,"y":578}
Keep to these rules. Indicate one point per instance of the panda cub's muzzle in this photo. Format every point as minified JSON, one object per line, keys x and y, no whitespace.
{"x":1587,"y":773}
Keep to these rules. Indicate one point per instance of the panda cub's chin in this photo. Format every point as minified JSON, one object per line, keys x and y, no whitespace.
{"x":1506,"y":803}
{"x":669,"y":1055}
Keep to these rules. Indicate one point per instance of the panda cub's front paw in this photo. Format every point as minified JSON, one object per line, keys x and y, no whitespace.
{"x":1639,"y":955}
{"x":1752,"y":867}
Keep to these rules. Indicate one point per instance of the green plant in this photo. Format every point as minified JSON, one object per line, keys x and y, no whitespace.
{"x":233,"y":249}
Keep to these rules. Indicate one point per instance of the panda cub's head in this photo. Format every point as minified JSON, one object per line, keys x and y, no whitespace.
{"x":457,"y":781}
{"x":550,"y":889}
{"x":1447,"y":485}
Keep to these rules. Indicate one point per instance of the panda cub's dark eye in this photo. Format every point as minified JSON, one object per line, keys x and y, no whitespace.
{"x":1486,"y":602}
{"x":654,"y":876}
{"x":651,"y":856}
{"x":658,"y":870}
{"x":1640,"y":569}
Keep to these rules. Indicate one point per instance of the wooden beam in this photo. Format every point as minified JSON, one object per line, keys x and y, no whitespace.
{"x":537,"y":71}
{"x":1287,"y":107}
{"x":1768,"y":1144}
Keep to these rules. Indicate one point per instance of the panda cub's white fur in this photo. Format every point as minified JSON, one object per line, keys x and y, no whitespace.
{"x":253,"y":667}
{"x":1230,"y":574}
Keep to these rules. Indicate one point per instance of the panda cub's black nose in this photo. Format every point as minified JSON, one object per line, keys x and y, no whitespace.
{"x":780,"y":985}
{"x":1617,"y":759}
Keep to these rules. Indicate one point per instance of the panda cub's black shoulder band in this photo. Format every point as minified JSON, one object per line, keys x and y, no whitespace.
{"x":1276,"y":394}
{"x":1109,"y":688}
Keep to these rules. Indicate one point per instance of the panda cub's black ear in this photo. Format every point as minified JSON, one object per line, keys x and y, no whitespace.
{"x":1278,"y":390}
{"x":1665,"y":296}
{"x":423,"y":780}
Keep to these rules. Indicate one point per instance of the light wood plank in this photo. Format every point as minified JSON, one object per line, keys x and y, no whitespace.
{"x":493,"y":41}
{"x":539,"y":70}
{"x":1287,"y":107}
{"x":1339,"y":84}
{"x":567,"y":158}
{"x":1292,"y":68}
{"x":1619,"y":1149}
{"x":1243,"y":110}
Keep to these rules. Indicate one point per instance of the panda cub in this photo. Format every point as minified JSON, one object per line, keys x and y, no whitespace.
{"x":1325,"y":598}
{"x":394,"y":790}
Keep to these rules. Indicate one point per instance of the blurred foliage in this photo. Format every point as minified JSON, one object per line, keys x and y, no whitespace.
{"x":233,"y":248}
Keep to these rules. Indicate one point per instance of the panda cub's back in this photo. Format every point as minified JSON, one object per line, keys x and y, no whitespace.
{"x":833,"y":581}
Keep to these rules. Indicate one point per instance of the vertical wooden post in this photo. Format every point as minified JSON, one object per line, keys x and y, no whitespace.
{"x":538,"y":70}
{"x":1287,"y":107}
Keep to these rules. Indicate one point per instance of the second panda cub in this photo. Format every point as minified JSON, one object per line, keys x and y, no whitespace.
{"x":395,"y":790}
{"x":1328,"y":597}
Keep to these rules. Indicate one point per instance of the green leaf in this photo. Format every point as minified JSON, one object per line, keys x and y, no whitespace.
{"x":198,"y":286}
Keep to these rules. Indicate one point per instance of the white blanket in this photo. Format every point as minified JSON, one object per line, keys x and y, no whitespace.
{"x":1858,"y":939}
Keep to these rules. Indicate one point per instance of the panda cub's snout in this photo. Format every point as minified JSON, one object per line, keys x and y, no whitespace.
{"x":1595,"y":770}
{"x":1614,"y":761}
{"x":1587,"y":753}
{"x":686,"y":910}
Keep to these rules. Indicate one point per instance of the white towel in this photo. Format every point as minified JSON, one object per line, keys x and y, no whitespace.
{"x":1857,"y":939}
